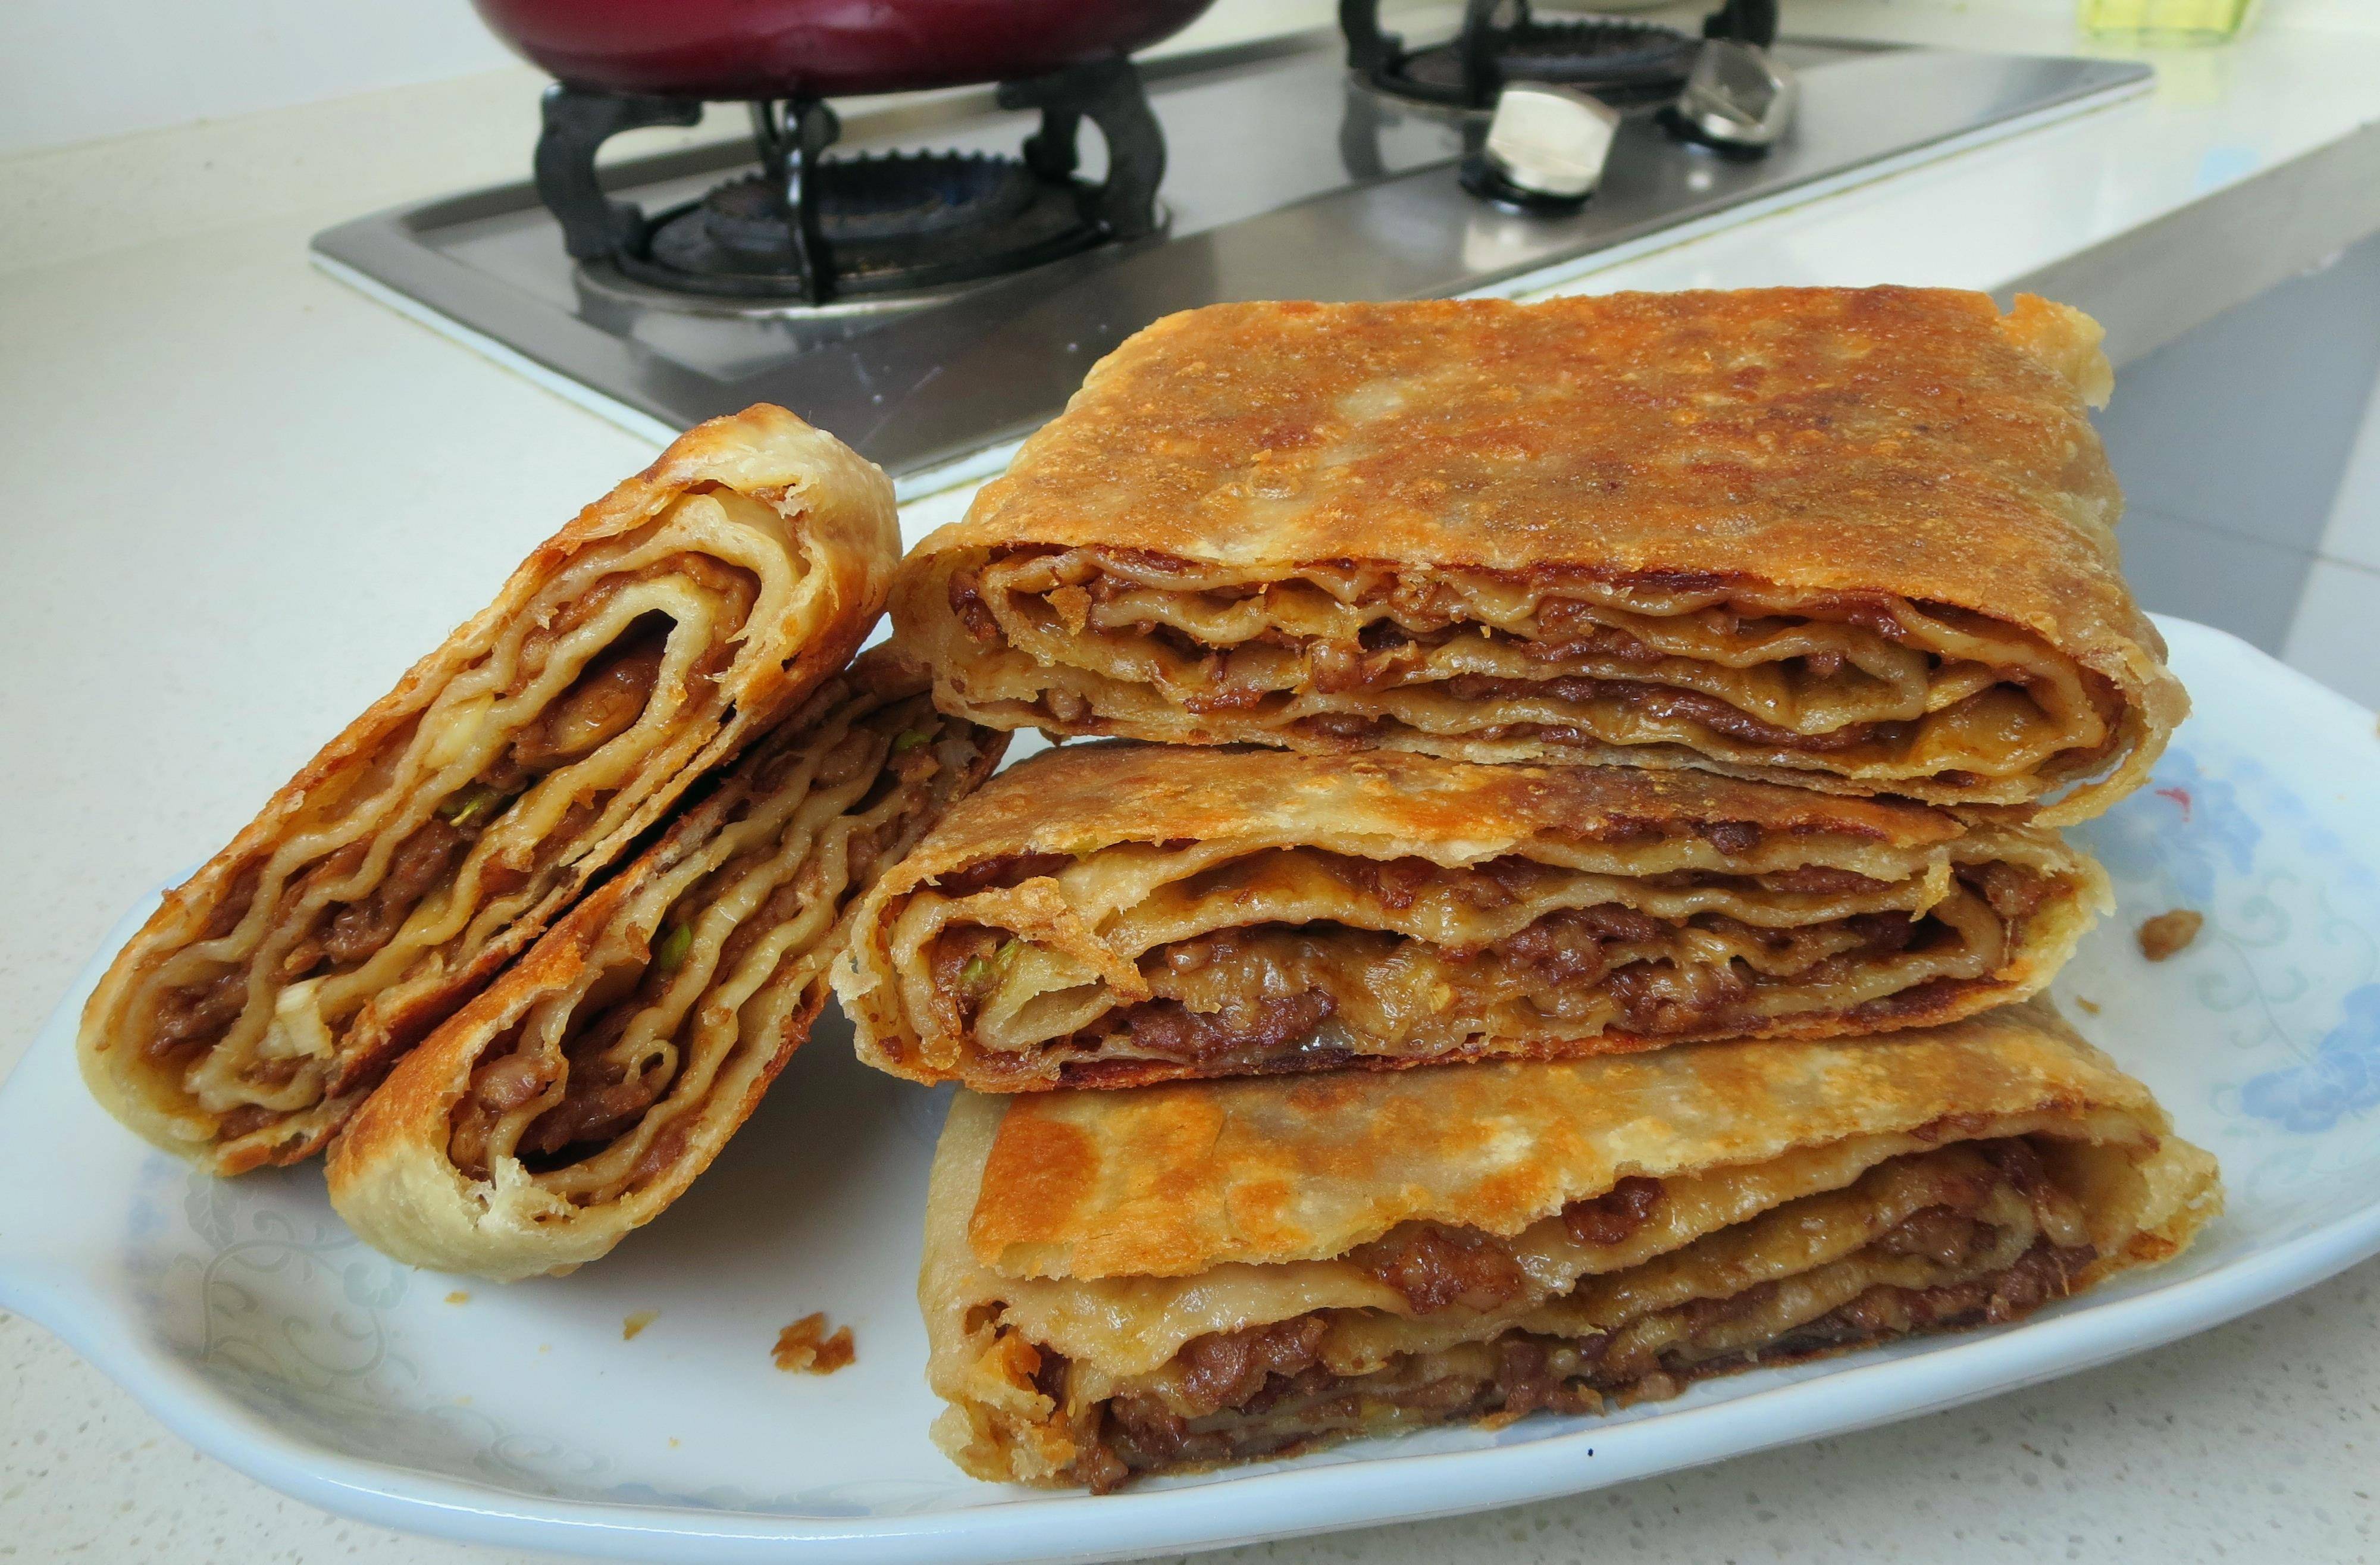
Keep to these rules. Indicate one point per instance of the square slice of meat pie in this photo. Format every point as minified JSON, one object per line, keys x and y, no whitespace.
{"x":1861,"y":539}
{"x":1112,"y":913}
{"x":1171,"y":1279}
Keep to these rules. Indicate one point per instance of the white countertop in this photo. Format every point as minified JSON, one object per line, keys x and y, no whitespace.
{"x":239,"y":498}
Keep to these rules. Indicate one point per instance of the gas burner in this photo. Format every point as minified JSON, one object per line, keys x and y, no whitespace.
{"x":1626,"y":64}
{"x":810,"y":228}
{"x":890,"y":223}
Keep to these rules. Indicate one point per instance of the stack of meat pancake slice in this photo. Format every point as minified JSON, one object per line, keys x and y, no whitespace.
{"x":709,"y":604}
{"x":1176,"y":1275}
{"x":1110,"y":914}
{"x":1649,"y":716}
{"x":1859,"y":540}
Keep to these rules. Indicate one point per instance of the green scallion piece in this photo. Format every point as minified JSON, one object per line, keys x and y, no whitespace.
{"x":909,"y":740}
{"x":472,"y":802}
{"x":675,"y":941}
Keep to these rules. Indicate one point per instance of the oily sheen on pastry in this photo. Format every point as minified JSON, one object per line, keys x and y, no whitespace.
{"x":585,"y":1090}
{"x":1110,"y":914}
{"x":1859,"y":540}
{"x":1183,"y":1276}
{"x":429,"y":842}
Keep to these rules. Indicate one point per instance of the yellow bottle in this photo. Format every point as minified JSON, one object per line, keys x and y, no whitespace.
{"x":2165,"y":21}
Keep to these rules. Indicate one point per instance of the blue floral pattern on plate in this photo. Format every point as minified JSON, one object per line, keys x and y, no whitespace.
{"x":2290,"y":957}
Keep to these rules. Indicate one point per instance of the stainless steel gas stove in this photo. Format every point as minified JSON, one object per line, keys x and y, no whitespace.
{"x":866,"y":288}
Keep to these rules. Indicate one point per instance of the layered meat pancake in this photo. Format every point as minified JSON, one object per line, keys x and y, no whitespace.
{"x":583,"y":1092}
{"x":1859,"y":540}
{"x":1115,"y":913}
{"x":431,"y":840}
{"x":1120,"y":1283}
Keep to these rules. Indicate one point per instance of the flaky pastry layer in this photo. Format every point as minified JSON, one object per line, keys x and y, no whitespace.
{"x":1858,"y":540}
{"x":1114,"y":915}
{"x":587,"y":1088}
{"x":433,"y":840}
{"x":1510,"y":1239}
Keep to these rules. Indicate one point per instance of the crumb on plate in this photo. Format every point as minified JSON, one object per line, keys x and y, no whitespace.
{"x":2168,"y":932}
{"x":459,"y":1297}
{"x":636,"y":1323}
{"x":806,"y":1346}
{"x":2089,"y":1005}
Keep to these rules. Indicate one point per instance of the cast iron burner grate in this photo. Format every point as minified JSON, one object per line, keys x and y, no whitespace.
{"x":1626,"y":64}
{"x":907,"y":221}
{"x":813,"y":228}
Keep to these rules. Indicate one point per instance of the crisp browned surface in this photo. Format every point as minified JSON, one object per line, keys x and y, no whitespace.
{"x":1895,"y":440}
{"x":1885,"y":439}
{"x":1171,"y":1180}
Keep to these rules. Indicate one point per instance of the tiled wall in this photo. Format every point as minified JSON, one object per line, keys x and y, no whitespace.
{"x":2250,"y":455}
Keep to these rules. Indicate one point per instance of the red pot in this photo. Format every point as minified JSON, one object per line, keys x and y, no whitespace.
{"x":730,"y":49}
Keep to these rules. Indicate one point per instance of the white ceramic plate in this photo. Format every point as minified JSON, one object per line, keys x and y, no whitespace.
{"x":248,"y":1318}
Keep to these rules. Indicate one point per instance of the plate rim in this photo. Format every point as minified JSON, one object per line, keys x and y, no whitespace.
{"x":1850,"y":1395}
{"x":2083,"y":1334}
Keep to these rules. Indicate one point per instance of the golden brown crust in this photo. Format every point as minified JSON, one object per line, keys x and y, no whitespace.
{"x":1070,"y":803}
{"x":1086,"y":1251}
{"x":1897,"y":441}
{"x":394,"y":1174}
{"x":839,"y":518}
{"x":1172,"y":1180}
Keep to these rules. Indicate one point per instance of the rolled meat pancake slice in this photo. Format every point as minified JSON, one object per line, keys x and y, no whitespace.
{"x":1858,"y":540}
{"x":584,"y":1091}
{"x":1167,"y":1279}
{"x":431,"y":841}
{"x":1110,"y":915}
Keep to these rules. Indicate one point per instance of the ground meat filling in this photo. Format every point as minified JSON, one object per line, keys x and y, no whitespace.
{"x":1613,"y":1216}
{"x":1264,"y":1390}
{"x":1265,"y":997}
{"x":419,"y":863}
{"x":1567,"y":625}
{"x":597,"y":1097}
{"x":602,"y":1098}
{"x":1666,"y":703}
{"x":1432,"y":1267}
{"x":1272,"y":1028}
{"x":513,"y":1079}
{"x":601,"y":703}
{"x":191,"y":1017}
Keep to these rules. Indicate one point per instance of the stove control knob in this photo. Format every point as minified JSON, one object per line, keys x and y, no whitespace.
{"x":1547,"y":145}
{"x":1738,"y":96}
